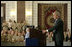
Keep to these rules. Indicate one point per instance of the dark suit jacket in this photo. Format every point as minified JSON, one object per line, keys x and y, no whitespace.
{"x":58,"y":27}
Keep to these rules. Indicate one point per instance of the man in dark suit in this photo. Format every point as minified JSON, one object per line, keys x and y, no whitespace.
{"x":57,"y":29}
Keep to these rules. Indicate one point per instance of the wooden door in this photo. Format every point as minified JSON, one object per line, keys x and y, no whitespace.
{"x":3,"y":12}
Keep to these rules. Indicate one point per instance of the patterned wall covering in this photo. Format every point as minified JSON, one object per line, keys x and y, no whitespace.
{"x":45,"y":16}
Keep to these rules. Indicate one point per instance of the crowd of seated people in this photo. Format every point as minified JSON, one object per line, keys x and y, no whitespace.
{"x":13,"y":32}
{"x":67,"y":35}
{"x":49,"y":36}
{"x":11,"y":36}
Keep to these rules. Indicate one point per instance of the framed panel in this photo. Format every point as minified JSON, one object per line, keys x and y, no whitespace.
{"x":45,"y":20}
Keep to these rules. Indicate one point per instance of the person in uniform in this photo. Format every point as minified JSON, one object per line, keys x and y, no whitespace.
{"x":23,"y":33}
{"x":14,"y":25}
{"x":3,"y":34}
{"x":19,"y":27}
{"x":49,"y":36}
{"x":5,"y":25}
{"x":12,"y":33}
{"x":10,"y":24}
{"x":20,"y":37}
{"x":14,"y":38}
{"x":9,"y":36}
{"x":65,"y":36}
{"x":68,"y":36}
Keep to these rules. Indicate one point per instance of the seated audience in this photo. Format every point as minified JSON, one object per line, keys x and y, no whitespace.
{"x":14,"y":38}
{"x":23,"y":33}
{"x":9,"y":36}
{"x":64,"y":36}
{"x":50,"y":36}
{"x":10,"y":24}
{"x":4,"y":25}
{"x":19,"y":27}
{"x":12,"y":33}
{"x":68,"y":35}
{"x":20,"y":37}
{"x":14,"y":25}
{"x":4,"y":35}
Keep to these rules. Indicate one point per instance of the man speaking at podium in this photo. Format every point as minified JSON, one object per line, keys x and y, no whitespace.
{"x":57,"y":29}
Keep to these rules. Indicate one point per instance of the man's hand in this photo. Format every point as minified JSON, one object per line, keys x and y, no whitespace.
{"x":43,"y":31}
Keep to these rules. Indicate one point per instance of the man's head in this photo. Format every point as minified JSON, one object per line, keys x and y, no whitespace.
{"x":12,"y":32}
{"x":56,"y":14}
{"x":9,"y":32}
{"x":19,"y":34}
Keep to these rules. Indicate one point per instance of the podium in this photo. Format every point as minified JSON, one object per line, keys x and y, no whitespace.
{"x":34,"y":33}
{"x":37,"y":38}
{"x":32,"y":42}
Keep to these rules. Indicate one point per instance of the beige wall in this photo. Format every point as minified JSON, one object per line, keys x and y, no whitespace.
{"x":10,"y":5}
{"x":32,"y":6}
{"x":28,"y":7}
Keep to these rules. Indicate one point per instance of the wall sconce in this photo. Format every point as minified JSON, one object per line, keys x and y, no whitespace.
{"x":28,"y":13}
{"x":13,"y":14}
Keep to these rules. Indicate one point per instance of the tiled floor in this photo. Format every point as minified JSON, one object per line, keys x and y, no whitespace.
{"x":12,"y":44}
{"x":53,"y":44}
{"x":23,"y":44}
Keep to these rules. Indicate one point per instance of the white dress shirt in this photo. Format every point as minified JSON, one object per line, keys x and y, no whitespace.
{"x":27,"y":35}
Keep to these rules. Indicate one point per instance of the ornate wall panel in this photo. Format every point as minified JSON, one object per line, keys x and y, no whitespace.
{"x":45,"y":16}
